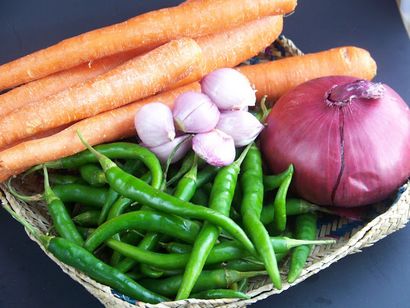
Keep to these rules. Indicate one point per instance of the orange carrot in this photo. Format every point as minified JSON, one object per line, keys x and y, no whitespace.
{"x":138,"y":78}
{"x":44,"y":134}
{"x":41,"y":88}
{"x":105,"y":127}
{"x":268,"y":29}
{"x":277,"y":77}
{"x":193,"y":19}
{"x":229,"y":48}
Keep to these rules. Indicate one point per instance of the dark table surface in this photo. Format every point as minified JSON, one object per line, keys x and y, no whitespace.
{"x":378,"y":277}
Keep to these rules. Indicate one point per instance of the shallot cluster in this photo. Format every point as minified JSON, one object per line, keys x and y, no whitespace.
{"x":217,"y":118}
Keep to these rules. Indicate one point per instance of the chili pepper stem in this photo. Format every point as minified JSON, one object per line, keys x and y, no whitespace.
{"x":244,"y":275}
{"x":105,"y":162}
{"x":34,"y":198}
{"x":169,"y":160}
{"x":240,"y":159}
{"x":187,"y":162}
{"x":49,"y":196}
{"x":291,"y":243}
{"x":32,"y":170}
{"x":265,"y":110}
{"x":192,"y":173}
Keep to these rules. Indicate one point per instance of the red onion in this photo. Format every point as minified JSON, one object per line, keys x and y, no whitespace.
{"x":348,"y":139}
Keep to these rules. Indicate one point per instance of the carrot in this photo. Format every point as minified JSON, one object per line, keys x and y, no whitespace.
{"x":105,"y":127}
{"x":263,"y":32}
{"x":230,"y":48}
{"x":44,"y":134}
{"x":277,"y":77}
{"x":234,"y":46}
{"x":41,"y":88}
{"x":193,"y":19}
{"x":138,"y":78}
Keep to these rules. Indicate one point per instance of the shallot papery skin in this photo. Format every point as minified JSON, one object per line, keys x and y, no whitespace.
{"x":241,"y":125}
{"x":154,"y":124}
{"x":215,"y":147}
{"x":195,"y":113}
{"x":163,"y":151}
{"x":229,"y":89}
{"x":345,"y":154}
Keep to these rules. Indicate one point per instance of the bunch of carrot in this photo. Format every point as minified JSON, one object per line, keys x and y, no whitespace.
{"x":96,"y":82}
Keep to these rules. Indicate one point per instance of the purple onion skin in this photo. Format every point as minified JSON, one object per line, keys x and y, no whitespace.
{"x":347,"y":155}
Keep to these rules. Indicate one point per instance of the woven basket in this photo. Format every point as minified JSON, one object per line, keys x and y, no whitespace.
{"x":351,"y":236}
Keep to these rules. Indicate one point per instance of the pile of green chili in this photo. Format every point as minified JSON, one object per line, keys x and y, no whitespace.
{"x":202,"y":234}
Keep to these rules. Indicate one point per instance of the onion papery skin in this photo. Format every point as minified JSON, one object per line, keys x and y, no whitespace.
{"x":346,"y":156}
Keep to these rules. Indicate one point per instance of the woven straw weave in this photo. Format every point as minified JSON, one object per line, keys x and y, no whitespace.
{"x":351,"y":236}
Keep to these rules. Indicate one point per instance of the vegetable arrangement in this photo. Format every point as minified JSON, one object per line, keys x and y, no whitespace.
{"x":213,"y":263}
{"x":193,"y":211}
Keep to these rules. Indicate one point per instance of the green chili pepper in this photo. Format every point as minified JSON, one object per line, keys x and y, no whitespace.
{"x":245,"y":265}
{"x":184,"y":191}
{"x":306,"y":229}
{"x":131,"y":237}
{"x":137,"y":190}
{"x":134,"y":165}
{"x":130,"y":166}
{"x":61,"y":218}
{"x":118,"y":207}
{"x":237,"y":198}
{"x":271,"y":182}
{"x":86,"y":195}
{"x":293,"y":207}
{"x":200,"y":197}
{"x":185,"y":167}
{"x":251,"y":208}
{"x":220,"y":253}
{"x":207,"y":280}
{"x":75,"y":193}
{"x":116,"y":210}
{"x":135,"y":276}
{"x":178,"y":227}
{"x":84,"y":261}
{"x":85,"y":232}
{"x":220,"y":200}
{"x":150,"y":272}
{"x":186,"y":187}
{"x":93,"y":175}
{"x":112,"y":197}
{"x":206,"y":175}
{"x":279,"y":219}
{"x":220,"y":293}
{"x":117,"y":150}
{"x":63,"y":179}
{"x":280,"y":244}
{"x":87,"y":219}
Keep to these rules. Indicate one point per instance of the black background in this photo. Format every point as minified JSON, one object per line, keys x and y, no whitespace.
{"x":378,"y":277}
